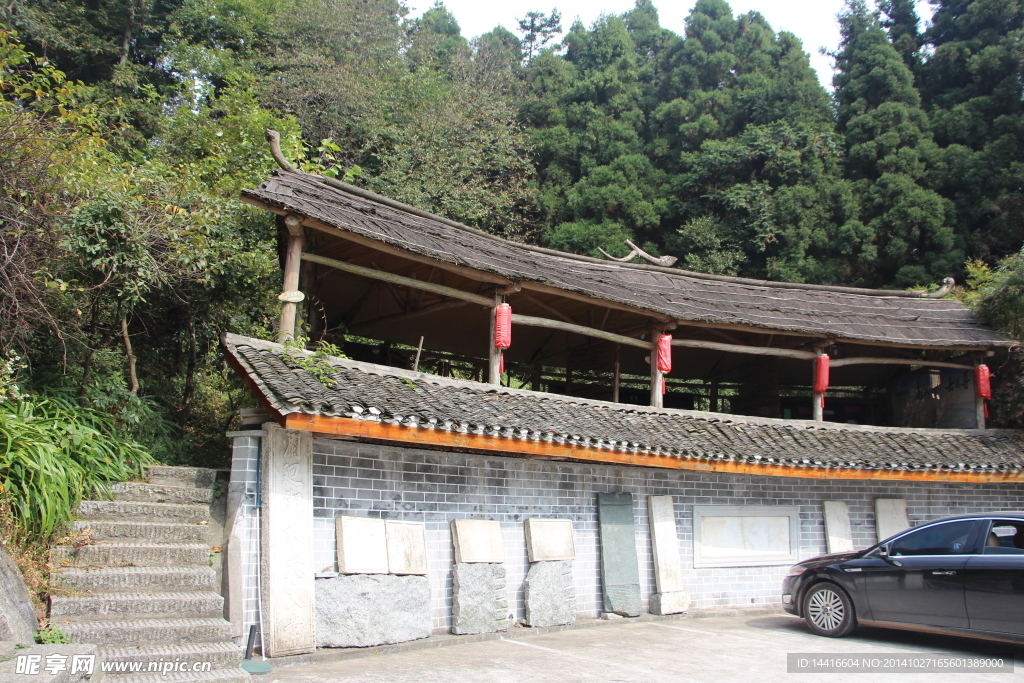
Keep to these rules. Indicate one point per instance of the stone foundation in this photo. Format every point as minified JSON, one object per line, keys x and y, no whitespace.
{"x":363,"y":610}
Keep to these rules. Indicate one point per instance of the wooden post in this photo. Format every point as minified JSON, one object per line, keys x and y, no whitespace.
{"x":657,"y":400}
{"x":290,"y":294}
{"x":817,"y":409}
{"x":493,"y":353}
{"x":979,"y":402}
{"x":617,"y":376}
{"x":713,"y":396}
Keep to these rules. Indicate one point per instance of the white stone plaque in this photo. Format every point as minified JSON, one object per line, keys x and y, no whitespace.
{"x":477,"y":540}
{"x":838,"y":535}
{"x":745,"y":535}
{"x":362,"y":545}
{"x":407,"y":547}
{"x":668,"y":569}
{"x":550,"y":539}
{"x":890,"y":517}
{"x":286,"y":541}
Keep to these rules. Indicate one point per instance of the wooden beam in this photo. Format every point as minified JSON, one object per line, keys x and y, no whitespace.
{"x":550,"y":309}
{"x":603,"y":303}
{"x":441,"y":290}
{"x":531,"y":321}
{"x":426,"y":310}
{"x":737,"y":348}
{"x":866,"y":360}
{"x":414,"y":437}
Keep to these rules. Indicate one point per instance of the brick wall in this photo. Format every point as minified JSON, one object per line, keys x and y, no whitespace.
{"x":435,"y":487}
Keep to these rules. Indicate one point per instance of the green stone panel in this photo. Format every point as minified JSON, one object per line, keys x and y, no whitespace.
{"x":620,"y":571}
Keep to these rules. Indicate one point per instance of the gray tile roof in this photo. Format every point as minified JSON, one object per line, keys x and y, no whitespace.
{"x":365,"y":391}
{"x":845,"y":313}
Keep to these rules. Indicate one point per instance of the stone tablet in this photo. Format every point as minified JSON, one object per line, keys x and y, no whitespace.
{"x":286,"y":541}
{"x":479,"y":600}
{"x":890,"y":517}
{"x":668,"y":569}
{"x":407,"y":547}
{"x":550,"y":540}
{"x":549,"y":594}
{"x":477,"y":540}
{"x":367,"y":610}
{"x":670,"y":603}
{"x":362,"y":545}
{"x":838,"y":535}
{"x":620,"y":573}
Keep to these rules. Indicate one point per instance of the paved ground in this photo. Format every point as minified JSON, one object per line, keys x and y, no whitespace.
{"x":736,"y":649}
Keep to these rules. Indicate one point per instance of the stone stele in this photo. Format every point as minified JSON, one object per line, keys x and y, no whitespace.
{"x":363,"y":610}
{"x":550,"y":539}
{"x":479,"y":600}
{"x":838,"y":535}
{"x":890,"y":517}
{"x":362,"y":545}
{"x":407,"y":547}
{"x":620,"y":572}
{"x":550,"y":594}
{"x":477,"y":540}
{"x":668,"y":569}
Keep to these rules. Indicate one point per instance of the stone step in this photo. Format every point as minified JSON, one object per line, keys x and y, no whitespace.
{"x":132,"y":554}
{"x":192,"y":477}
{"x":238,"y":675}
{"x":161,"y":493}
{"x":148,"y":579}
{"x":142,"y":605}
{"x":137,"y":660}
{"x":157,"y":532}
{"x":147,"y":631}
{"x":143,"y":512}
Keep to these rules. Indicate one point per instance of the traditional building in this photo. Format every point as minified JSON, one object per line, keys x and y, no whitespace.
{"x":625,"y":398}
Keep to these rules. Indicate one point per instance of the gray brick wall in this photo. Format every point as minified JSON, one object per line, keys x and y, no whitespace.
{"x":435,"y":487}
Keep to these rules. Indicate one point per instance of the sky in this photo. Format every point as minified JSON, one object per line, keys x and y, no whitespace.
{"x":813,"y":21}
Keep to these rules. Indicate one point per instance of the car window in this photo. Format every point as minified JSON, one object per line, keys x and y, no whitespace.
{"x":1005,"y":537}
{"x":941,"y":539}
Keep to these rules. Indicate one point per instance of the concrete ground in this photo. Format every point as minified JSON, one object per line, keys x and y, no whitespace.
{"x":732,"y":649}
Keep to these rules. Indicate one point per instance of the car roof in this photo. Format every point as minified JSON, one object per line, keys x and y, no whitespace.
{"x":1012,"y":514}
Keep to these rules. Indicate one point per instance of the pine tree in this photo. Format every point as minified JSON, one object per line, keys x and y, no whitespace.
{"x":889,"y":152}
{"x":901,"y":23}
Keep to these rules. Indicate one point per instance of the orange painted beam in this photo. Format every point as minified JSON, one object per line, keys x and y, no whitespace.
{"x":367,"y":430}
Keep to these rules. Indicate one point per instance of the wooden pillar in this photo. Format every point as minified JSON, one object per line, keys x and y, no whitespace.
{"x":290,"y":294}
{"x":817,"y":397}
{"x":713,"y":396}
{"x":616,"y":378}
{"x":979,"y":402}
{"x":657,"y":400}
{"x":493,"y":353}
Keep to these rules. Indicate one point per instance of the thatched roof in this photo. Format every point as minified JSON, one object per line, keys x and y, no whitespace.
{"x":898,"y":318}
{"x":365,"y":391}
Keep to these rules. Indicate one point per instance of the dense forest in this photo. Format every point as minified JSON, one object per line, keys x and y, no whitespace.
{"x":128,"y":127}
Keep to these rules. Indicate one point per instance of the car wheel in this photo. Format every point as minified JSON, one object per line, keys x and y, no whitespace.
{"x":829,"y":611}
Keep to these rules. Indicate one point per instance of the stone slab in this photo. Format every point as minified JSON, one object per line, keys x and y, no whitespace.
{"x":362,"y":545}
{"x":407,"y":547}
{"x":550,"y":594}
{"x":620,"y":572}
{"x":364,"y":610}
{"x":479,"y":598}
{"x":286,"y":541}
{"x":477,"y":540}
{"x":550,"y":540}
{"x":668,"y":567}
{"x":890,"y":517}
{"x":675,"y":602}
{"x":17,"y":616}
{"x":838,"y":534}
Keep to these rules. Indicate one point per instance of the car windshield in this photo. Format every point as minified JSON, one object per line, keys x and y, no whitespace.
{"x":942,"y":539}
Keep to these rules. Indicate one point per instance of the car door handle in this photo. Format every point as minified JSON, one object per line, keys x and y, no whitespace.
{"x":944,"y":573}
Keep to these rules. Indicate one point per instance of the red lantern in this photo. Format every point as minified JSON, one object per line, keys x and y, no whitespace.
{"x":983,"y":381}
{"x":503,"y":326}
{"x":821,"y":374}
{"x":665,"y":352}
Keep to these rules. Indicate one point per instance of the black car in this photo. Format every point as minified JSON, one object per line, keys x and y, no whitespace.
{"x":962,"y":575}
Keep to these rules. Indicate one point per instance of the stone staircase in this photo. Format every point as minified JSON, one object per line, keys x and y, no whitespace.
{"x":145,"y":591}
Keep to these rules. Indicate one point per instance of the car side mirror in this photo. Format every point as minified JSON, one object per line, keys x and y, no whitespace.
{"x":883,"y":551}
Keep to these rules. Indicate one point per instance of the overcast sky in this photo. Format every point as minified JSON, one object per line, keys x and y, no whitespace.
{"x":813,"y":21}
